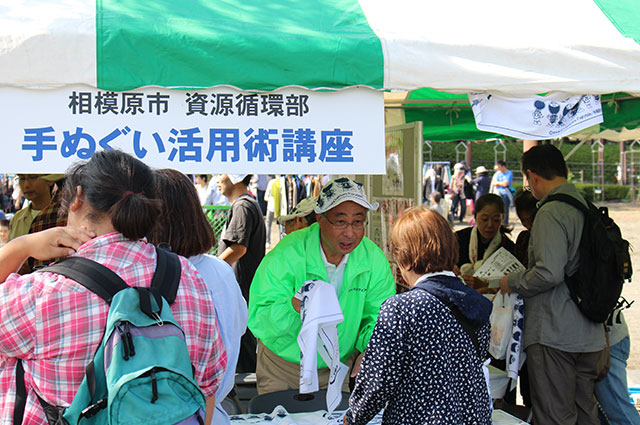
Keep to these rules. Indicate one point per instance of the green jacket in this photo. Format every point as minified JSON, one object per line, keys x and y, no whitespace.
{"x":367,"y":283}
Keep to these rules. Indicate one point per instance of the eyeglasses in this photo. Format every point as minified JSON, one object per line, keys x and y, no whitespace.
{"x":343,"y":224}
{"x":527,"y":188}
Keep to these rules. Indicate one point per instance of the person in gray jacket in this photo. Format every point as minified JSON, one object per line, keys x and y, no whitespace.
{"x":564,"y":348}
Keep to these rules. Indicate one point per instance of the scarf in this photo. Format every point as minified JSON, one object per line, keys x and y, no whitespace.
{"x":452,"y":291}
{"x":474,"y":264}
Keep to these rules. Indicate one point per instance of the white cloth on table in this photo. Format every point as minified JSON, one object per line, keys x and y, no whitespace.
{"x":320,"y":313}
{"x":280,"y":416}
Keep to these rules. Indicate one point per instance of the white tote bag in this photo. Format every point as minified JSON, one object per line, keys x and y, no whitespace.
{"x":501,"y":325}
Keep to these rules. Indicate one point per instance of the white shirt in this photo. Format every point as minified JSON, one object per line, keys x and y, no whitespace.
{"x":335,"y":274}
{"x":232,"y":316}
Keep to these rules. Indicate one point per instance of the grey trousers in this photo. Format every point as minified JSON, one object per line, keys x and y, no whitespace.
{"x":562,"y":386}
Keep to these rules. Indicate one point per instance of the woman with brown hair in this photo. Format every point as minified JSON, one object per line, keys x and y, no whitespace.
{"x":424,"y":361}
{"x":185,"y":228}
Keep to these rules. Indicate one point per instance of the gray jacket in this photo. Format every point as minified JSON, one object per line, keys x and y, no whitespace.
{"x":551,"y":317}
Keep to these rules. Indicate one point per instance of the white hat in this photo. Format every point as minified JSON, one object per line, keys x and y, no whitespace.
{"x":236,"y":178}
{"x":340,"y":190}
{"x":481,"y":169}
{"x":304,"y":208}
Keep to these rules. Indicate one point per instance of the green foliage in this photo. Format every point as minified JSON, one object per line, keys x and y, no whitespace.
{"x":612,"y":192}
{"x":580,"y":163}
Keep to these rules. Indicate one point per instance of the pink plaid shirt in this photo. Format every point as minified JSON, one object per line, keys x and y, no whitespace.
{"x":55,"y":325}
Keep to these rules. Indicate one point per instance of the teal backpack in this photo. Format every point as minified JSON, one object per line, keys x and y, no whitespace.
{"x":141,"y":373}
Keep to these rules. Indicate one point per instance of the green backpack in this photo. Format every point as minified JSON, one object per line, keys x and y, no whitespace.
{"x":141,"y":373}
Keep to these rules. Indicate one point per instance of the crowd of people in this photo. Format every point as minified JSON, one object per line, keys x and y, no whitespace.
{"x":419,"y":355}
{"x":451,"y":194}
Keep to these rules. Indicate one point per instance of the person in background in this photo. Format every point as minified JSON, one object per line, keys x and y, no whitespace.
{"x":4,"y":231}
{"x":302,"y":216}
{"x":502,"y":184}
{"x":261,"y":181}
{"x":477,"y":243}
{"x":190,"y":235}
{"x":457,"y":188}
{"x":482,"y":182}
{"x":208,"y":192}
{"x":612,"y":392}
{"x":438,"y":205}
{"x":272,"y":198}
{"x":333,"y":250}
{"x":49,"y":217}
{"x":242,"y":245}
{"x":202,"y":186}
{"x":54,"y":325}
{"x":422,"y":365}
{"x":526,"y":208}
{"x":37,"y":189}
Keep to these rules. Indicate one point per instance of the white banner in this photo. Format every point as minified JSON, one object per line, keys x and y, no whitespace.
{"x":535,"y":118}
{"x":220,"y":130}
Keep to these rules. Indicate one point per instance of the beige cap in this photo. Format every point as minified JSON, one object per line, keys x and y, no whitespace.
{"x":304,"y":208}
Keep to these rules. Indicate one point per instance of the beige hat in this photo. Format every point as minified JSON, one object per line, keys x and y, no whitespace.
{"x":481,"y":169}
{"x":304,"y":208}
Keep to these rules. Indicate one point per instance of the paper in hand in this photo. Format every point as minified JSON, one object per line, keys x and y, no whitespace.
{"x":500,"y":263}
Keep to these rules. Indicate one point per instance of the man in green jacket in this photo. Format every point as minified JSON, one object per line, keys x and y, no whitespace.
{"x":333,"y":250}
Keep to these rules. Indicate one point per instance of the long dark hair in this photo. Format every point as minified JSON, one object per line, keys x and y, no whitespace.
{"x":182,"y":223}
{"x":118,"y":185}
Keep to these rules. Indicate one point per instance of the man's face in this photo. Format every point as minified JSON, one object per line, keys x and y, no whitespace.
{"x":224,"y":185}
{"x":34,"y":188}
{"x":337,"y":241}
{"x":533,"y":183}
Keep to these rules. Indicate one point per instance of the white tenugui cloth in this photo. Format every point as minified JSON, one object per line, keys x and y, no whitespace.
{"x":535,"y":118}
{"x":320,"y":313}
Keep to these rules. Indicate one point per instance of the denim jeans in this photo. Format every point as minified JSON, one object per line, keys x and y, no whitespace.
{"x":507,"y":203}
{"x":613,"y":393}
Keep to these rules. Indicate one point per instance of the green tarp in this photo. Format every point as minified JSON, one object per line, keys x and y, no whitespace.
{"x":177,"y":40}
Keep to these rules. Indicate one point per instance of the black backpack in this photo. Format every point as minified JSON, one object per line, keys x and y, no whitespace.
{"x":605,"y":263}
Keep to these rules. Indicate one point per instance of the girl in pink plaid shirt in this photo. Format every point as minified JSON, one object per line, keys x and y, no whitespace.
{"x":55,"y":325}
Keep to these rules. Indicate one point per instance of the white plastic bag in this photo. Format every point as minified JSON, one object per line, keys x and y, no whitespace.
{"x":501,"y":325}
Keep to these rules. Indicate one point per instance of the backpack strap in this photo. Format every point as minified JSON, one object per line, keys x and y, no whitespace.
{"x":94,"y":276}
{"x":167,"y":276}
{"x":567,"y":199}
{"x":21,"y":395}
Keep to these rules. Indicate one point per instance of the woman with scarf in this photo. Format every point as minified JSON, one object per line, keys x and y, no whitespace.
{"x":479,"y":242}
{"x":424,"y":362}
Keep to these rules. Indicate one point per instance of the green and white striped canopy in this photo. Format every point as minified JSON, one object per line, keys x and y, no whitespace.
{"x":459,"y":46}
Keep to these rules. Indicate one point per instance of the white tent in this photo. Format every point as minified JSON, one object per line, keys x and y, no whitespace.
{"x":517,"y":48}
